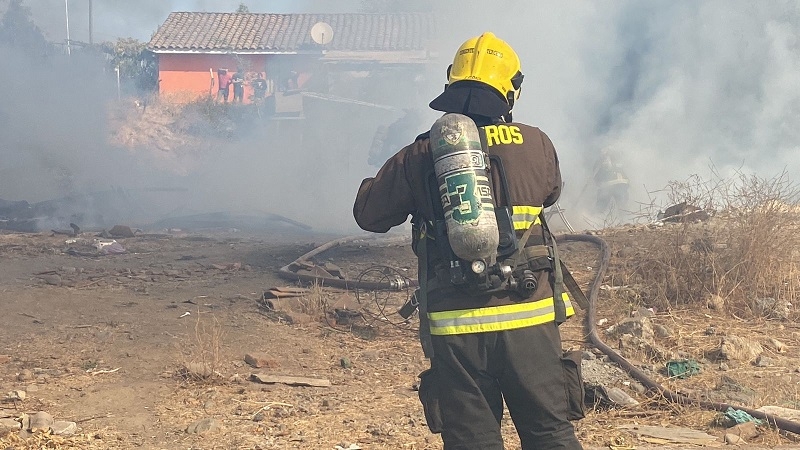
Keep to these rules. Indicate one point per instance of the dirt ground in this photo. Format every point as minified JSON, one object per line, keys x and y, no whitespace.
{"x":137,"y":347}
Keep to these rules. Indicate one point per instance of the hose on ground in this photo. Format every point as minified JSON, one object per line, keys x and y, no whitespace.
{"x":590,"y":327}
{"x":633,"y":371}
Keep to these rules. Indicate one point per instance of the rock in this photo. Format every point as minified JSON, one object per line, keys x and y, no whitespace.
{"x":289,"y":380}
{"x":729,"y":390}
{"x":683,"y":212}
{"x":661,"y":331}
{"x":640,"y":327}
{"x":32,"y":388}
{"x":370,"y":355}
{"x":773,"y":309}
{"x":597,"y":372}
{"x":64,"y":428}
{"x":40,"y":421}
{"x":633,"y":347}
{"x":236,"y":379}
{"x":17,"y":395}
{"x":52,"y":279}
{"x":8,"y":424}
{"x":204,"y":426}
{"x":644,"y":312}
{"x":347,"y":446}
{"x":734,"y":348}
{"x":620,"y":397}
{"x":745,"y":431}
{"x":732,"y":439}
{"x":777,"y":345}
{"x":259,"y":360}
{"x":25,"y":375}
{"x":346,"y":363}
{"x":785,"y":413}
{"x":121,"y":231}
{"x":763,"y":361}
{"x":625,"y":252}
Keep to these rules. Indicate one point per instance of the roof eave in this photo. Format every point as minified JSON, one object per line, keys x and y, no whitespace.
{"x":231,"y":52}
{"x":395,"y":56}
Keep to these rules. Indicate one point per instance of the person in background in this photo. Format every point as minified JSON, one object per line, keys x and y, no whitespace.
{"x":259,"y":87}
{"x":388,"y":139}
{"x":223,"y":84}
{"x":487,"y":344}
{"x":290,"y":81}
{"x":611,"y":183}
{"x":238,"y":85}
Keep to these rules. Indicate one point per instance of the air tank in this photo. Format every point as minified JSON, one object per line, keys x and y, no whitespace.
{"x":464,"y":188}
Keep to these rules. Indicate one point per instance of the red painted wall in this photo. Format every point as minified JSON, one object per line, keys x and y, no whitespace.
{"x":186,"y":76}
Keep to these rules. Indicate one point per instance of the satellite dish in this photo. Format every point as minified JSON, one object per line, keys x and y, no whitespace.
{"x":321,"y":33}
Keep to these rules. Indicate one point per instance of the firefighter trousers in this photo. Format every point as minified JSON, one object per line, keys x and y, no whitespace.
{"x":472,"y":375}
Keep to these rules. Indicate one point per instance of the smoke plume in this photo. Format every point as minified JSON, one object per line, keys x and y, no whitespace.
{"x":670,"y":87}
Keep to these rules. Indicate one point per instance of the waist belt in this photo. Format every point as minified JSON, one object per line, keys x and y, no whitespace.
{"x":496,"y":318}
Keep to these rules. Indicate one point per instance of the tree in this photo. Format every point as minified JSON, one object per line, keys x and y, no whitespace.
{"x":136,"y":64}
{"x":18,"y":30}
{"x":242,"y":8}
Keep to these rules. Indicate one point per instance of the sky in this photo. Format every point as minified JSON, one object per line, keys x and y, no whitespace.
{"x":140,"y":19}
{"x":673,"y":88}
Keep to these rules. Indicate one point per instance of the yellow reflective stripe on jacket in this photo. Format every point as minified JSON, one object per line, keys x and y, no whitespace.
{"x":525,"y":216}
{"x":496,"y":318}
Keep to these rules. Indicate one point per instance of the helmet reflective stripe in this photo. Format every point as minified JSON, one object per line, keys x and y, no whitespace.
{"x":525,"y":216}
{"x":496,"y":318}
{"x":489,"y":60}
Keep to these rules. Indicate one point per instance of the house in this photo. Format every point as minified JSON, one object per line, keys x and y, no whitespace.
{"x":295,"y":52}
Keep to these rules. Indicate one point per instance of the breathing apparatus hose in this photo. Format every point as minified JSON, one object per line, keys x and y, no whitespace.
{"x":633,"y":371}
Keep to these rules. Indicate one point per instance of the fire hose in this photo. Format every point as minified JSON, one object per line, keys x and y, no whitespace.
{"x":589,"y":322}
{"x":636,"y":373}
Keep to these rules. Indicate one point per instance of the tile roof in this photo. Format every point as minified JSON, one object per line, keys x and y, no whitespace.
{"x":275,"y":33}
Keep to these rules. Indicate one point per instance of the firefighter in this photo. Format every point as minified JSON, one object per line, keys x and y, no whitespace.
{"x":611,"y":183}
{"x":486,"y":344}
{"x":388,"y":140}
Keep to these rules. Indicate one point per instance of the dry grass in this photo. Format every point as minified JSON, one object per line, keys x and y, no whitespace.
{"x":315,"y":302}
{"x":746,"y":251}
{"x":42,"y":440}
{"x":201,"y":353}
{"x":705,"y":280}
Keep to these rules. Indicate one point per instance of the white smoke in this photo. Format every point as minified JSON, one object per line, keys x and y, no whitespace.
{"x":673,"y":87}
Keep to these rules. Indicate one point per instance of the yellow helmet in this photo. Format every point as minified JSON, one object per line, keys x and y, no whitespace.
{"x":489,"y":60}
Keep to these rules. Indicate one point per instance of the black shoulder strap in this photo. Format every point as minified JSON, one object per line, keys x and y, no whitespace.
{"x":422,"y":276}
{"x":562,"y":276}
